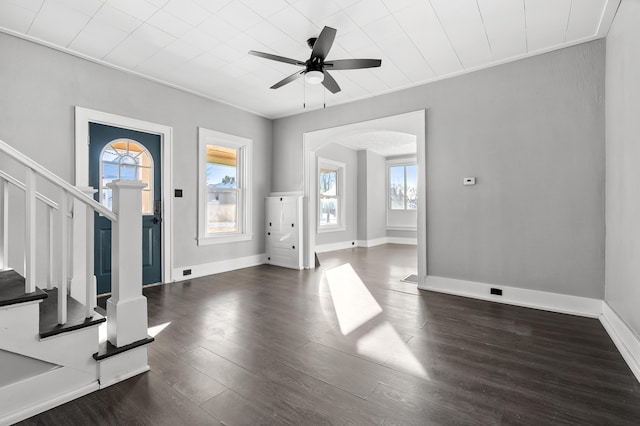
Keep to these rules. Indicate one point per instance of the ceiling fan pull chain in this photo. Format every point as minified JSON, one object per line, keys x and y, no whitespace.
{"x":304,"y":94}
{"x":324,"y":94}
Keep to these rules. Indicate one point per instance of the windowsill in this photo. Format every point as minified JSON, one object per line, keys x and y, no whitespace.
{"x":336,"y":228}
{"x":222,"y":239}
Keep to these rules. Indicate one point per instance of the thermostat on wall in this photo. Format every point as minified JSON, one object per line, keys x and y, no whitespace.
{"x":469,"y":181}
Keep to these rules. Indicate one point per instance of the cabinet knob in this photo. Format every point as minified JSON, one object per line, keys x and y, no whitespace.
{"x":293,"y":247}
{"x":268,"y":233}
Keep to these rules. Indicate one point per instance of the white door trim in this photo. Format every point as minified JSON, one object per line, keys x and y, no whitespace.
{"x":411,"y":122}
{"x":85,"y":116}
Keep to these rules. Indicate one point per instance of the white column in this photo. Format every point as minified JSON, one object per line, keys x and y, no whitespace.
{"x":127,"y":307}
{"x":78,"y":258}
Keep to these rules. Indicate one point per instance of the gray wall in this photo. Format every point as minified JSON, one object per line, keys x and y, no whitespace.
{"x":623,"y":163}
{"x":349,"y":158}
{"x":376,"y":196}
{"x":532,"y":131}
{"x":39,"y":88}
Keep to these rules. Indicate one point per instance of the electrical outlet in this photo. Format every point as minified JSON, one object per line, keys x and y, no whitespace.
{"x":186,"y":272}
{"x":496,"y":291}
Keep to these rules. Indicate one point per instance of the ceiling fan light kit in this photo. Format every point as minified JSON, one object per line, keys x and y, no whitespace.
{"x":315,"y":68}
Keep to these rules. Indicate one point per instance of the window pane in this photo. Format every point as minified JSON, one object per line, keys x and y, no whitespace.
{"x":411,"y":190}
{"x":222,"y":211}
{"x":396,"y":187}
{"x":328,"y":182}
{"x":328,"y":211}
{"x":222,"y":167}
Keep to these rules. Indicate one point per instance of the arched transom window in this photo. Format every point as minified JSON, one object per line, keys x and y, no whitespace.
{"x":128,"y":160}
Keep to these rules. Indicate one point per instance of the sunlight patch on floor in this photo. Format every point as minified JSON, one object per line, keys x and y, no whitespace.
{"x":157,"y":329}
{"x":355,"y":307}
{"x":353,"y":303}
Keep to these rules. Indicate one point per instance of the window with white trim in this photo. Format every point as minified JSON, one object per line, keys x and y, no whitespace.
{"x":224,"y":187}
{"x":331,"y":206}
{"x":403,"y":187}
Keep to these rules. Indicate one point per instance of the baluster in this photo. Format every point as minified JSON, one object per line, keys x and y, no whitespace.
{"x":90,"y":278}
{"x":30,"y":232}
{"x":50,"y":272}
{"x":4,"y":226}
{"x":64,"y":250}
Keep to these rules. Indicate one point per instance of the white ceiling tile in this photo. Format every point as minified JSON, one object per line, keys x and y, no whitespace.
{"x":315,"y":10}
{"x":212,"y":5}
{"x":295,"y":24}
{"x":139,"y":46}
{"x":15,"y":17}
{"x":57,"y":24}
{"x":97,"y":39}
{"x":391,"y":74}
{"x":86,"y":7}
{"x":33,"y":5}
{"x":239,"y":15}
{"x":383,"y":29}
{"x":187,"y":10}
{"x":157,"y":3}
{"x":229,"y":54}
{"x":266,"y":32}
{"x":208,"y":61}
{"x":218,"y":28}
{"x":462,"y":23}
{"x":242,"y":43}
{"x":507,"y":37}
{"x":116,"y":18}
{"x":139,"y":9}
{"x":584,"y":19}
{"x":354,"y":41}
{"x":367,"y":11}
{"x":423,"y":27}
{"x":340,"y":21}
{"x":169,"y":23}
{"x":200,"y":39}
{"x":407,"y":58}
{"x":265,"y":8}
{"x":546,"y":23}
{"x":398,"y":5}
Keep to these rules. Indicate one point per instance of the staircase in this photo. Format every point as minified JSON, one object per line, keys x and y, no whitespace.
{"x":54,"y":346}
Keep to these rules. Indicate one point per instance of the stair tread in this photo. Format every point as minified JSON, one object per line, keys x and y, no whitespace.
{"x":107,"y":350}
{"x":76,"y":319}
{"x":12,"y":289}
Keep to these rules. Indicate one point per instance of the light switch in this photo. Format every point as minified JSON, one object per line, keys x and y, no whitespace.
{"x":469,"y":181}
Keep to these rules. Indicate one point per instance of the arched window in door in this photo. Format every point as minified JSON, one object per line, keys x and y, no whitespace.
{"x":128,"y":160}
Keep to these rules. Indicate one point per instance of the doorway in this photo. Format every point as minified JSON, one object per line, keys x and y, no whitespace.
{"x":162,"y":208}
{"x":411,"y":123}
{"x":116,"y":153}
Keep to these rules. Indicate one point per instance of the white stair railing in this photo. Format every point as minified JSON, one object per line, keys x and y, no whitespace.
{"x":67,"y":193}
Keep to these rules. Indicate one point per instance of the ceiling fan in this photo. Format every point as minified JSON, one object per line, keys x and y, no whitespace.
{"x":315,"y":68}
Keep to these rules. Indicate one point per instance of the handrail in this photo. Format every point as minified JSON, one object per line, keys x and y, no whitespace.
{"x":56,"y":180}
{"x":48,"y":201}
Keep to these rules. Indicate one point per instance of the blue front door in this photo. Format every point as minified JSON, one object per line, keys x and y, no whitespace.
{"x":116,"y":153}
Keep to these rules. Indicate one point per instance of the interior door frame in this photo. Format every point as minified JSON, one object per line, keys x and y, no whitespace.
{"x":84,"y":116}
{"x":413,"y":122}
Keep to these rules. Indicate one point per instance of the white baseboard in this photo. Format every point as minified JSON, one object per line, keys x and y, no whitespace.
{"x":625,"y":339}
{"x":554,"y":302}
{"x":372,"y":243}
{"x":218,"y":267}
{"x":398,"y":240}
{"x":321,"y":248}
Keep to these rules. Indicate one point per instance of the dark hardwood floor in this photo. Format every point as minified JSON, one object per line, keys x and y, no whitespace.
{"x":273,"y":346}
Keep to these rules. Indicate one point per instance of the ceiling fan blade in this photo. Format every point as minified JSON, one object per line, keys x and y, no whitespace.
{"x":352,"y":64}
{"x":296,"y":75}
{"x":324,"y":42}
{"x":276,"y":58}
{"x":330,"y":83}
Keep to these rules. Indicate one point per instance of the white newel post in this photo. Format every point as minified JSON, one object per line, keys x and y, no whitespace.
{"x":127,"y":307}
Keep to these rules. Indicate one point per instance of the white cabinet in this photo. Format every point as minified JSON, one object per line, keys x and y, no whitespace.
{"x":283,"y":239}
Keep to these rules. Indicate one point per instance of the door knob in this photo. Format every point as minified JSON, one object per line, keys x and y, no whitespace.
{"x":156,"y":220}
